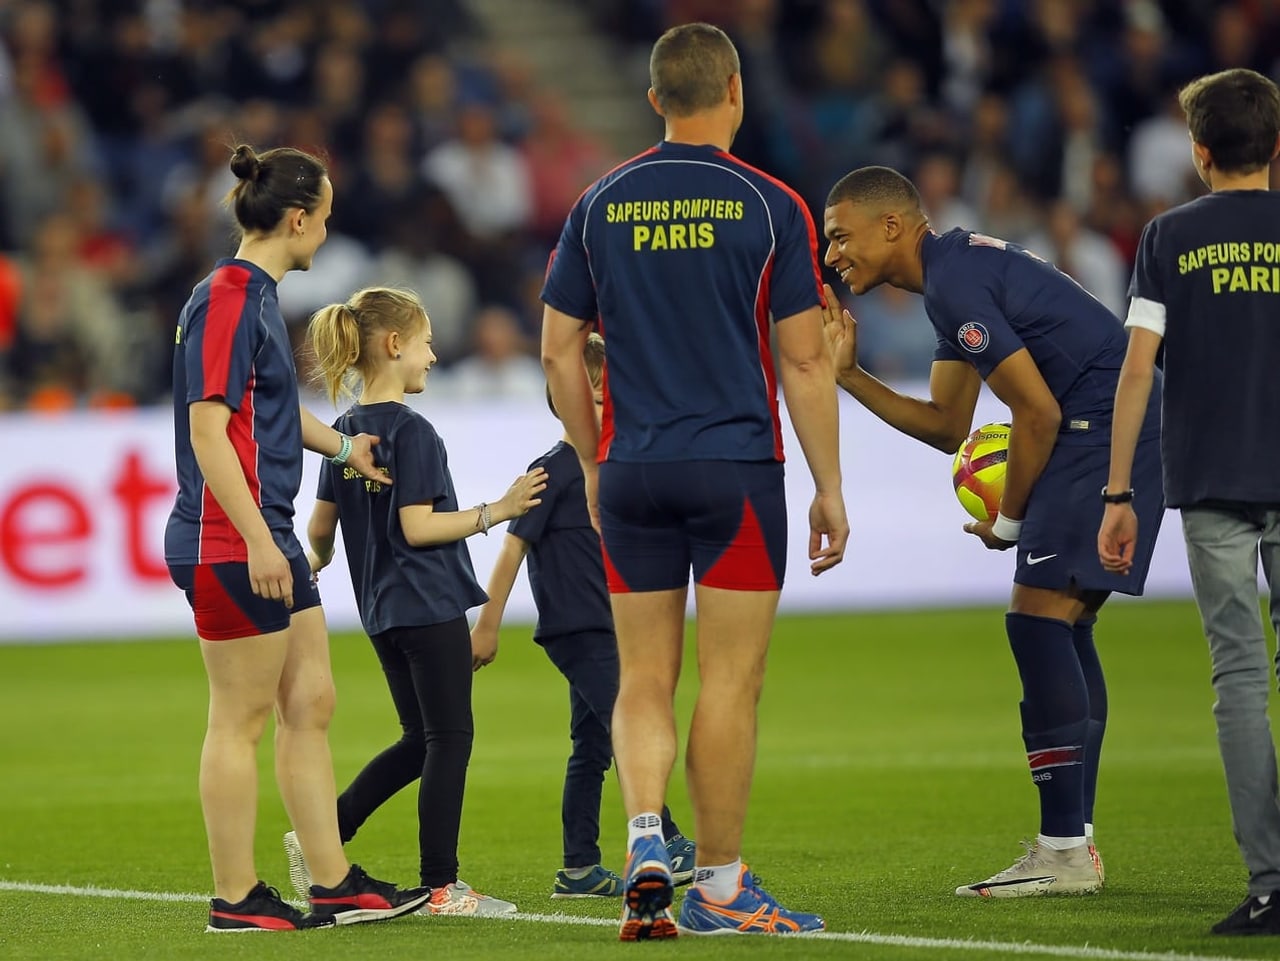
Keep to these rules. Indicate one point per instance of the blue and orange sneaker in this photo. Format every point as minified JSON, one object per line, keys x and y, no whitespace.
{"x":751,"y":911}
{"x":647,"y":892}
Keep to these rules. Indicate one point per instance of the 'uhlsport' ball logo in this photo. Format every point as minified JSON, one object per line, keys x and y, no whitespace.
{"x":978,"y":469}
{"x":973,"y":337}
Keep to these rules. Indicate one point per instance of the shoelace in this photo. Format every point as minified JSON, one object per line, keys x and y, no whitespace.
{"x":1029,"y":859}
{"x":754,"y":886}
{"x":266,"y":890}
{"x":360,"y":876}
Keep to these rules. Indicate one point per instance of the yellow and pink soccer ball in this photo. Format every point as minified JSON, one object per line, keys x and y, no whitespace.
{"x":977,"y":472}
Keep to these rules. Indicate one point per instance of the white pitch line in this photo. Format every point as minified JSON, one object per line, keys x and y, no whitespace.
{"x":92,"y":891}
{"x":863,"y":937}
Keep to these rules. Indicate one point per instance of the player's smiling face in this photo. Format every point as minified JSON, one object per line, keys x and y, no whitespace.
{"x":857,"y":247}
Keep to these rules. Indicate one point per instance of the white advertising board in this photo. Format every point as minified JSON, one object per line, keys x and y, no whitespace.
{"x":84,"y":498}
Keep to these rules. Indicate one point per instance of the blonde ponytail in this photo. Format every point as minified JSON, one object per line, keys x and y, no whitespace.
{"x":335,"y":337}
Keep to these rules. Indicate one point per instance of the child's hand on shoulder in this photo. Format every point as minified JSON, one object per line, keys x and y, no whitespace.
{"x":523,"y":493}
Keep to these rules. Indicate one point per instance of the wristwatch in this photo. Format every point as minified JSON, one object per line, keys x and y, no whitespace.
{"x":1119,"y":497}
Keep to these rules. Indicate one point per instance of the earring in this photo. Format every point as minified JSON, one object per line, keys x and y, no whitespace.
{"x":395,"y":356}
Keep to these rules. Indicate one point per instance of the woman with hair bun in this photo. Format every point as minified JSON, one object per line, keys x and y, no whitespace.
{"x":240,"y":431}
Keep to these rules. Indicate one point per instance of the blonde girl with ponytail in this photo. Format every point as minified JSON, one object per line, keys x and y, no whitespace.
{"x":405,"y":544}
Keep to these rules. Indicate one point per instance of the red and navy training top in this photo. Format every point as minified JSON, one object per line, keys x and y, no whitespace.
{"x":232,"y":345}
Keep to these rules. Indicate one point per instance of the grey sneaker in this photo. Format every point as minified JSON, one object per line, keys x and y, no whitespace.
{"x":462,"y":900}
{"x":1041,"y":870}
{"x":299,"y":873}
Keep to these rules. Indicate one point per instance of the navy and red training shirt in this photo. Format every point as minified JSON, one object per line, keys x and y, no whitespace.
{"x":232,"y":345}
{"x":684,"y":253}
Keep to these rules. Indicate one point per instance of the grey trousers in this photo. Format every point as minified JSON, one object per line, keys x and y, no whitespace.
{"x":1223,"y":547}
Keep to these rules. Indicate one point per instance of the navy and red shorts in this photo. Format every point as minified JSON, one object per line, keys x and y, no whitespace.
{"x":725,"y":520}
{"x":225,"y":606}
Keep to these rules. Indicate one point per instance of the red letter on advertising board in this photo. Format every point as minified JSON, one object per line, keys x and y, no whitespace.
{"x":22,"y":537}
{"x":134,"y":488}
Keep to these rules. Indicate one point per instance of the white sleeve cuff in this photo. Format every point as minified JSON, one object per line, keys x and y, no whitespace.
{"x":1147,"y":314}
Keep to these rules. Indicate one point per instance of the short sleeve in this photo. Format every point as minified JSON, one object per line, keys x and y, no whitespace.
{"x":531,"y":526}
{"x":568,"y":287}
{"x":221,"y":341}
{"x":795,"y":283}
{"x":947,"y":350}
{"x":970,"y":322}
{"x":419,"y":473}
{"x":1146,"y":288}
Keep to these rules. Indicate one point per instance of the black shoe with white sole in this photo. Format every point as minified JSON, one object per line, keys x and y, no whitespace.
{"x":1255,"y":915}
{"x":262,"y":909}
{"x":361,"y":898}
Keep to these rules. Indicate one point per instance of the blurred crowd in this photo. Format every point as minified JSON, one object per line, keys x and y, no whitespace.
{"x":452,"y":172}
{"x":1049,"y":122}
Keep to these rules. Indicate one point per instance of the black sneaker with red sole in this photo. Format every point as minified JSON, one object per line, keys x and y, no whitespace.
{"x":261,"y":910}
{"x":361,"y":898}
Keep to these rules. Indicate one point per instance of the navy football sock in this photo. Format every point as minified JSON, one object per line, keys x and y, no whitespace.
{"x":1087,"y":653}
{"x":1055,"y":713}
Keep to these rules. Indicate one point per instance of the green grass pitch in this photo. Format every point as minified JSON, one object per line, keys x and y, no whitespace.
{"x":890,"y":770}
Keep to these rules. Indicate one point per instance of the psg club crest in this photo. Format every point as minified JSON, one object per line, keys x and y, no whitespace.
{"x":974,"y":337}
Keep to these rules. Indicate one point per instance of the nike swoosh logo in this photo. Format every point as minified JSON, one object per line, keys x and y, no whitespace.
{"x":1039,"y":560}
{"x":1255,"y":913}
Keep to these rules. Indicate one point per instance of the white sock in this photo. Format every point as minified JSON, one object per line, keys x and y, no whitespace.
{"x":718,"y":882}
{"x":1088,"y":830}
{"x":1061,"y":844}
{"x":577,"y":874}
{"x":1262,"y":898}
{"x":642,"y":825}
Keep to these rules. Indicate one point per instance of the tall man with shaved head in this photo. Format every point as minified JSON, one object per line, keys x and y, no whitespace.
{"x":1052,"y":353}
{"x":691,"y":259}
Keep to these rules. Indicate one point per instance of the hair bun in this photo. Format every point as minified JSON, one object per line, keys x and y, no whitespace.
{"x":245,"y":164}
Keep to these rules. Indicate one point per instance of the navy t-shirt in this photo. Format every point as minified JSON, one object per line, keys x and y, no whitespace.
{"x":566,"y":567}
{"x":1207,"y":279}
{"x":988,"y":299}
{"x":397,"y":585}
{"x":683,"y":254}
{"x":232,"y":345}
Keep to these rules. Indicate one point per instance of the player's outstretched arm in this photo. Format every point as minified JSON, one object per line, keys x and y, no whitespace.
{"x":808,"y":383}
{"x":318,"y":437}
{"x":484,"y":635}
{"x":943,"y":421}
{"x":1119,"y":530}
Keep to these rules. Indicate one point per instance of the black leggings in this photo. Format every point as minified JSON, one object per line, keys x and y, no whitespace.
{"x":428,"y":671}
